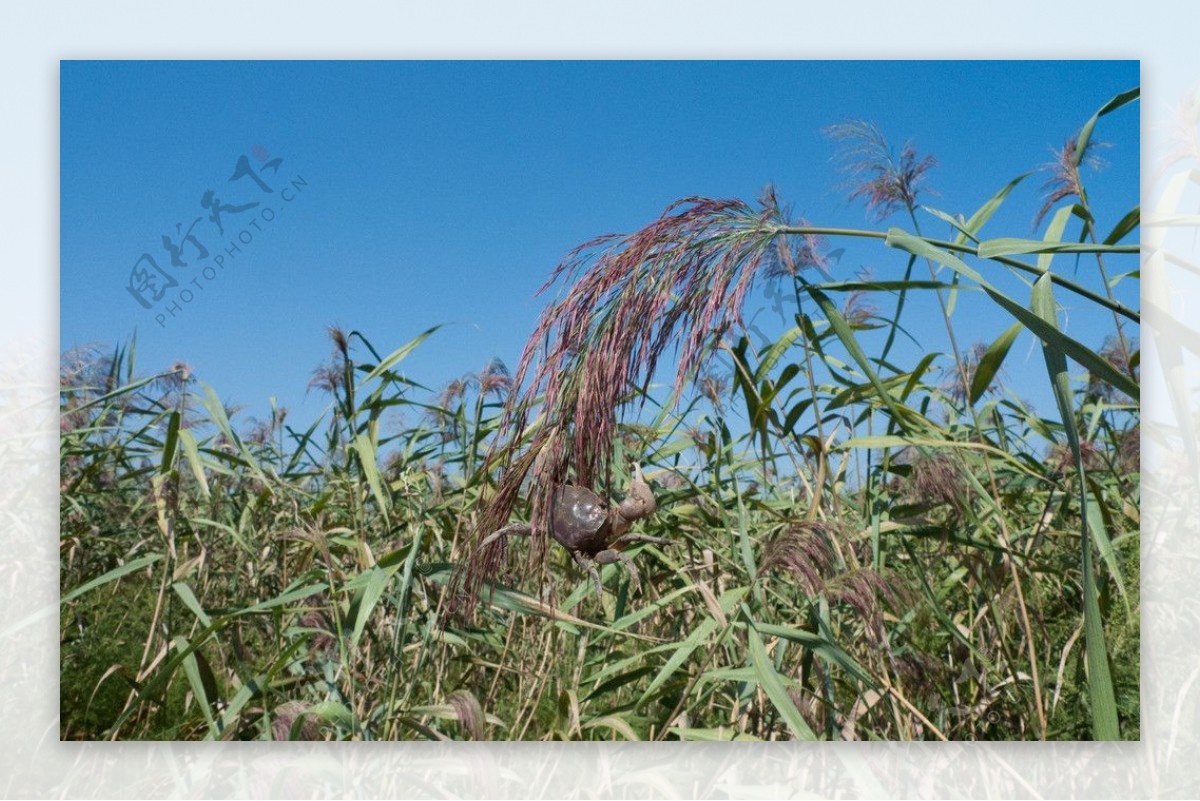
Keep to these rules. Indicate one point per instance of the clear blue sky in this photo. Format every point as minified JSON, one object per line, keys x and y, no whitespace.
{"x":445,"y":192}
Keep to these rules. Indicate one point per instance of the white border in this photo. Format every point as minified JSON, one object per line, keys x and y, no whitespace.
{"x":32,"y":761}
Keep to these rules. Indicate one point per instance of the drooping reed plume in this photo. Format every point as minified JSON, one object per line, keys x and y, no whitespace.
{"x":804,"y":551}
{"x":679,"y":283}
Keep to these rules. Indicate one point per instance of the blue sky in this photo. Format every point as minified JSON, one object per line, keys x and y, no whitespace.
{"x":425,"y":193}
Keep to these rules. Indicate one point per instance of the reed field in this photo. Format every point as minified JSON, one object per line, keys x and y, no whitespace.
{"x":869,"y":533}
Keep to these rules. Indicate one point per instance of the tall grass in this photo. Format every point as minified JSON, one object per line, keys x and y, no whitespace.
{"x":862,"y":549}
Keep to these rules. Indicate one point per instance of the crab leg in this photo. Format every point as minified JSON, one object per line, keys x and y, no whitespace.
{"x":590,"y":566}
{"x":521,"y":529}
{"x":631,"y":537}
{"x":610,"y":556}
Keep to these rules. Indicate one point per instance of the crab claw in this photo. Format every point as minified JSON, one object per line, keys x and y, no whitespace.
{"x":639,"y":501}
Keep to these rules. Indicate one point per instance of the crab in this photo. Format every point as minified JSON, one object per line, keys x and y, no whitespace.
{"x":592,"y":531}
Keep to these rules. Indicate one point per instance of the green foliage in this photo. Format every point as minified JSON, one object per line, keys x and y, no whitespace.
{"x":860,"y":549}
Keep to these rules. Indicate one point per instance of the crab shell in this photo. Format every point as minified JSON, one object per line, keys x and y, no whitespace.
{"x":581,"y":521}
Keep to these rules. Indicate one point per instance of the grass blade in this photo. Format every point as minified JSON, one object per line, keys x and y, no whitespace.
{"x":1040,"y":327}
{"x":1100,"y":687}
{"x":989,"y":363}
{"x":772,"y":684}
{"x":112,"y":575}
